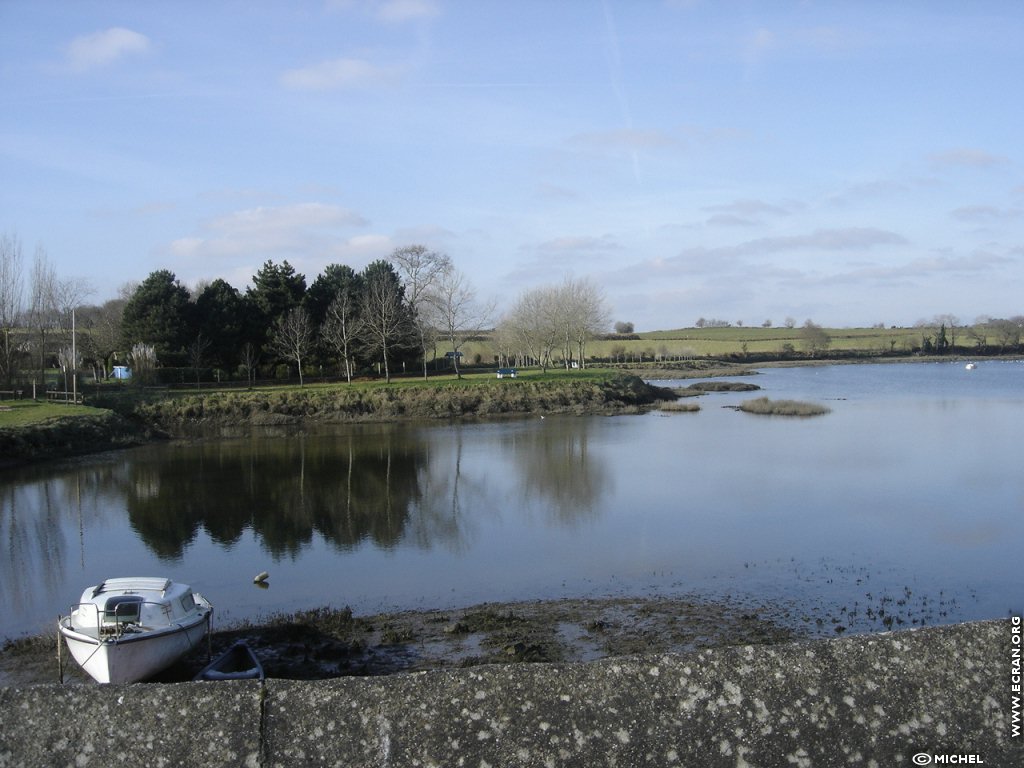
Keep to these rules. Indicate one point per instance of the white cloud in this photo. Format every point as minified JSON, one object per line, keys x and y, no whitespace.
{"x":965,"y":157}
{"x":102,"y":48}
{"x":275,"y":232}
{"x":337,"y":73}
{"x":747,"y":208}
{"x":288,"y":217}
{"x":742,"y":213}
{"x":985,"y":213}
{"x":978,"y":262}
{"x":407,"y":10}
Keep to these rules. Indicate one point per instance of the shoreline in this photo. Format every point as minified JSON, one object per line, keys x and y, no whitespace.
{"x":326,"y":643}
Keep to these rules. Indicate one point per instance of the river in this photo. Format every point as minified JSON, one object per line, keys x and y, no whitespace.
{"x":901,"y":507}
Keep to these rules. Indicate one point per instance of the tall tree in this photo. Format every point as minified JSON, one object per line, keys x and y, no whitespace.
{"x":12,"y":295}
{"x":293,"y":337}
{"x":585,"y":312}
{"x":220,"y":317}
{"x":343,"y":321}
{"x":421,"y":270}
{"x":325,"y":289}
{"x":275,"y":290}
{"x":533,"y":323}
{"x":457,"y":311}
{"x":52,"y":302}
{"x":385,"y":317}
{"x":158,"y":313}
{"x":103,"y":339}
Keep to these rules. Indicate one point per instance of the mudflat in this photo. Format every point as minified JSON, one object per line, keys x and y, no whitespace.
{"x":326,"y":643}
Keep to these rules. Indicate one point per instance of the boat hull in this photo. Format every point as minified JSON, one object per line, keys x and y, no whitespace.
{"x":130,"y":658}
{"x":237,"y":663}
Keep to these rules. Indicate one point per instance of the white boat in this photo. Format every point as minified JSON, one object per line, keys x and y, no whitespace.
{"x":126,"y":630}
{"x":970,"y":366}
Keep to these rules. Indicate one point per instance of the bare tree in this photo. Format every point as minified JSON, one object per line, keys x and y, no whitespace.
{"x":421,"y":271}
{"x":341,"y":328}
{"x":385,"y":316}
{"x":103,"y":339}
{"x":250,"y":358}
{"x":532,"y":323}
{"x":12,"y":290}
{"x":197,"y":354}
{"x":457,"y":311}
{"x":815,"y":338}
{"x":43,"y":288}
{"x":51,"y":303}
{"x":950,"y":321}
{"x":293,"y":337}
{"x":588,"y":313}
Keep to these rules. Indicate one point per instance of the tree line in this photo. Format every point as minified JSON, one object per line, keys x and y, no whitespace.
{"x":396,"y":313}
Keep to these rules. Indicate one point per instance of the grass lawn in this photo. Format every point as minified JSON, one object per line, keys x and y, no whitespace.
{"x":19,"y":413}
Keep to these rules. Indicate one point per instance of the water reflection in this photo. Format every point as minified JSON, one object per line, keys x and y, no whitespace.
{"x":559,"y":474}
{"x":419,"y":515}
{"x":347,"y":488}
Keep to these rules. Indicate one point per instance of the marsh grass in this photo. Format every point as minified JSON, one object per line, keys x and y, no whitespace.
{"x":764,"y":406}
{"x":679,"y":407}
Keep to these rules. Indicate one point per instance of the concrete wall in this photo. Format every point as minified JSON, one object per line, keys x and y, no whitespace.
{"x":865,"y":700}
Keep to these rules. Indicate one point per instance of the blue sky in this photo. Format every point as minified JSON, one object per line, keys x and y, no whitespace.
{"x":848,"y":162}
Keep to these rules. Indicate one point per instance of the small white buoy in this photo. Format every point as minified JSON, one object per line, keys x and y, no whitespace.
{"x":261,"y":577}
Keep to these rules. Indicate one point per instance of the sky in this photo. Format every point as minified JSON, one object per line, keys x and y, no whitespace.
{"x":852,"y":163}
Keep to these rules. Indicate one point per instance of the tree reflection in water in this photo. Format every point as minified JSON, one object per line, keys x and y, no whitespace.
{"x":346,"y":487}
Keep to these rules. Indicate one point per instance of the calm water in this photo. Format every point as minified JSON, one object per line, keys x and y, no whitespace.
{"x":907,"y":498}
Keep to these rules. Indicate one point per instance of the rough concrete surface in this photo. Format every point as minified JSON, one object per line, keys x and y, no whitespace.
{"x":862,"y":700}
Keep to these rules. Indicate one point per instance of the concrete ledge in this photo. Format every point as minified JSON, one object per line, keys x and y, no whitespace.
{"x":864,"y":700}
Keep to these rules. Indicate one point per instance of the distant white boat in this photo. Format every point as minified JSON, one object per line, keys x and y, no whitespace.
{"x":970,"y":366}
{"x":126,"y":630}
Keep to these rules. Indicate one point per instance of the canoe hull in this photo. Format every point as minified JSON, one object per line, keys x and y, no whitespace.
{"x":237,"y":663}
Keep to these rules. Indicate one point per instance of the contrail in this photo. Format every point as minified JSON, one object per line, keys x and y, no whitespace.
{"x":615,"y":78}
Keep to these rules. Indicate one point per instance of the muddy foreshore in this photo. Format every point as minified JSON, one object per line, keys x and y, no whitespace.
{"x":328,"y":643}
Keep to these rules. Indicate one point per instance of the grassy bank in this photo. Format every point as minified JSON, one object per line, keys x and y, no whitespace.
{"x":31,"y":431}
{"x":597,"y":392}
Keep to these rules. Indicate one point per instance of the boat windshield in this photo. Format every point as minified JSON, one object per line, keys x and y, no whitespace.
{"x":122,"y":609}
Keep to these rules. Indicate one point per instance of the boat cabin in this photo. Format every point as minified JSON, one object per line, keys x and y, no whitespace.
{"x":116,"y":606}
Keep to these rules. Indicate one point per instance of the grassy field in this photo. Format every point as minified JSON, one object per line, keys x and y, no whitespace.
{"x":17,"y":413}
{"x":725,"y":342}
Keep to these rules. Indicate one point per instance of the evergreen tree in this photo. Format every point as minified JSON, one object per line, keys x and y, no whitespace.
{"x":159,"y":313}
{"x":221,"y":319}
{"x":276,"y":289}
